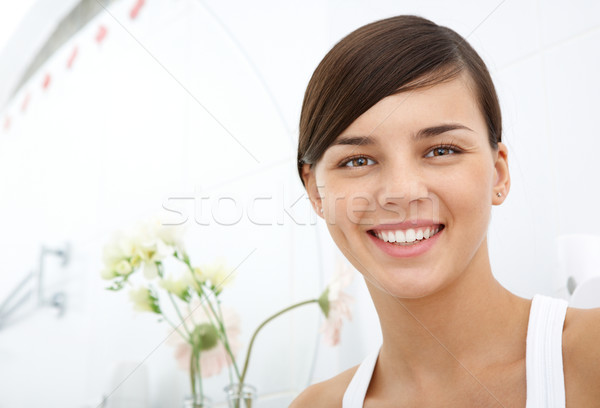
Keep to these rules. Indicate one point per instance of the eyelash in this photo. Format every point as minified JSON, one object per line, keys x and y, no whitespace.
{"x":450,"y":146}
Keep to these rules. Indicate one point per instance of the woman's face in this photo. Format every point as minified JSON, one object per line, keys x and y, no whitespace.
{"x":393,"y":165}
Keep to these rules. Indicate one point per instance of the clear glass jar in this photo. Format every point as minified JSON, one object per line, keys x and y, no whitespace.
{"x":241,"y":397}
{"x":189,"y":402}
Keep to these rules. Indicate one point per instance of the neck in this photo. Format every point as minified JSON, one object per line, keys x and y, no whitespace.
{"x":434,"y":339}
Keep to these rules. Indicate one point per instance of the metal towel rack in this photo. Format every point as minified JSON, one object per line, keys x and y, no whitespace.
{"x":19,"y":296}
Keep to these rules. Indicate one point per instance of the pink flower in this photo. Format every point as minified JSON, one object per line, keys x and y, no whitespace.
{"x":215,"y":357}
{"x":335,"y":304}
{"x":332,"y":326}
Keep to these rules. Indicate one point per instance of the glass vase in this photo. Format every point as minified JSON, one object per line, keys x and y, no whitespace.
{"x":241,"y":397}
{"x":200,"y":402}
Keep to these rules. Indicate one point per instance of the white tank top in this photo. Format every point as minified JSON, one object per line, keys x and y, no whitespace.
{"x":543,"y":359}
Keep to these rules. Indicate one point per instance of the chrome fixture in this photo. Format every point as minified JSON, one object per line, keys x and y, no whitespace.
{"x":33,"y":285}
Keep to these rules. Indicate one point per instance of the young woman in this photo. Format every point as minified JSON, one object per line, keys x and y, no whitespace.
{"x":400,"y":152}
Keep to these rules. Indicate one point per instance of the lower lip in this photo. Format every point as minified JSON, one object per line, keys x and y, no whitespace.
{"x":406,"y":251}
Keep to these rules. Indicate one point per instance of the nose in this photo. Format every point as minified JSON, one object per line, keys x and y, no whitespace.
{"x":403,"y":190}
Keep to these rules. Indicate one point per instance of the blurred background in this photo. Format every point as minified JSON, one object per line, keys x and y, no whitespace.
{"x":114,"y":111}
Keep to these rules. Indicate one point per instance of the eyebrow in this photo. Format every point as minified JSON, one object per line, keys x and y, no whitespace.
{"x":424,"y":133}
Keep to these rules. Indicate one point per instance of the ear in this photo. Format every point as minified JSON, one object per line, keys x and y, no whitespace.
{"x":502,"y":177}
{"x":310,"y":183}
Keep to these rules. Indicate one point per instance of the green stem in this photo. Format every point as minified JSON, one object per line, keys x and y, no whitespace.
{"x":263,"y":324}
{"x":179,"y":314}
{"x":183,"y":336}
{"x":214,"y":320}
{"x":199,"y":377}
{"x":207,"y":312}
{"x":226,"y":343}
{"x":222,"y":335}
{"x":159,"y":266}
{"x":224,"y":339}
{"x":186,"y":261}
{"x":219,"y":321}
{"x":193,"y":376}
{"x":225,"y":334}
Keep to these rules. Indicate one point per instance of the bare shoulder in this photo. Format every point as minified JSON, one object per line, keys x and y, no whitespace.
{"x":581,"y":353}
{"x":327,"y":394}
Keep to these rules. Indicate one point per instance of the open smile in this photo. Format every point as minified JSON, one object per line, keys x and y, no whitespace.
{"x":403,"y":243}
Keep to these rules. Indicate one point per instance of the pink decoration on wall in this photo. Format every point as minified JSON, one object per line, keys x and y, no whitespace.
{"x":25,"y":103}
{"x":99,"y":38}
{"x":101,"y":34}
{"x":46,"y":82}
{"x":136,"y":9}
{"x":72,"y":57}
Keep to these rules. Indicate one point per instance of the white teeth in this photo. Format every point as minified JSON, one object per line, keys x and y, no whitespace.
{"x":420,"y":234}
{"x":407,"y":236}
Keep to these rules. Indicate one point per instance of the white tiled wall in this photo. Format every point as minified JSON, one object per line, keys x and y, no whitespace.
{"x":128,"y":127}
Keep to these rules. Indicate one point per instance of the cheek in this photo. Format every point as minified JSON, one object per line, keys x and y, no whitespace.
{"x":468,"y":193}
{"x":350,"y":205}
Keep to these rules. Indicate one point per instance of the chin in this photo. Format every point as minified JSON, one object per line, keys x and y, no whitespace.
{"x":405,"y":284}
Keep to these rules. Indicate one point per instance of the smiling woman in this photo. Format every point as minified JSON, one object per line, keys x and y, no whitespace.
{"x":400,"y":152}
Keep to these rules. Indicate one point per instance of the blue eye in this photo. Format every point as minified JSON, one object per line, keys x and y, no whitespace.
{"x":357,"y":161}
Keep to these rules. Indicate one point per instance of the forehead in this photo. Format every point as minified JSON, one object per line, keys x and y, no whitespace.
{"x":448,"y":103}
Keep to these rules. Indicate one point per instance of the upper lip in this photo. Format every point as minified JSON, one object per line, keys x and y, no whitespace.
{"x":406,"y":225}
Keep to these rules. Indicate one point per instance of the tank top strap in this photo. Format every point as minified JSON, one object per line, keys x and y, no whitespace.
{"x":354,"y":396}
{"x":544,"y":363}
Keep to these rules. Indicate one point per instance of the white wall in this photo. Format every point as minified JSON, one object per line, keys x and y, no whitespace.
{"x":127,"y":128}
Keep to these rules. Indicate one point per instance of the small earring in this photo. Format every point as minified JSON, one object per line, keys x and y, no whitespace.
{"x":499,"y":194}
{"x":321,"y":210}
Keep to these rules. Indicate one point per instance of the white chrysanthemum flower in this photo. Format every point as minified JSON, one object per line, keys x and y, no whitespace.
{"x":335,"y":303}
{"x":150,"y":270}
{"x":149,"y":245}
{"x":159,"y":228}
{"x":123,"y":267}
{"x":148,"y":242}
{"x":120,"y":247}
{"x":213,"y":356}
{"x":169,"y":233}
{"x":179,"y":287}
{"x":217,"y":274}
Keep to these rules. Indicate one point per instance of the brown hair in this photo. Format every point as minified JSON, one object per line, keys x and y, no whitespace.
{"x":388,"y":56}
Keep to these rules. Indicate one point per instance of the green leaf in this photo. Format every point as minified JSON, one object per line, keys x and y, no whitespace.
{"x":187,"y":295}
{"x":154,"y":305}
{"x":117,"y":285}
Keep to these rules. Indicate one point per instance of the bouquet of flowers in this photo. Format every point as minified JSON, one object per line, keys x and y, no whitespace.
{"x":203,"y":332}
